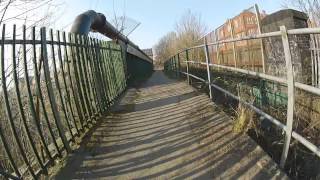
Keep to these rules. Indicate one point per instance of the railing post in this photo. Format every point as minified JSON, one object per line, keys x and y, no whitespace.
{"x":217,"y":47}
{"x":290,"y":82}
{"x":171,"y":67}
{"x":187,"y":58}
{"x":233,"y":44}
{"x":261,"y":41}
{"x":178,"y":62}
{"x":208,"y":68}
{"x":175,"y":64}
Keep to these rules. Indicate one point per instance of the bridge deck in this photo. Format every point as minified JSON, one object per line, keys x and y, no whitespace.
{"x":166,"y":129}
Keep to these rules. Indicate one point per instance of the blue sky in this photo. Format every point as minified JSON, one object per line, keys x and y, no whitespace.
{"x":158,"y":17}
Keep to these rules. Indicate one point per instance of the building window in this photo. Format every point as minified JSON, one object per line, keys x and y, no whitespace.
{"x":235,"y":22}
{"x":251,"y":20}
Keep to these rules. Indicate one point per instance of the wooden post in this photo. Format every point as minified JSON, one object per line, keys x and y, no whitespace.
{"x":208,"y":68}
{"x":290,"y":106}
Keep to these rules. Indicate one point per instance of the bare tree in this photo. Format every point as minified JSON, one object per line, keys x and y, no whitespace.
{"x":311,"y":7}
{"x":31,"y":12}
{"x":165,"y":47}
{"x":188,"y":30}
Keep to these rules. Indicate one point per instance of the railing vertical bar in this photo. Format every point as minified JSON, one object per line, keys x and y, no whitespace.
{"x":18,"y":95}
{"x":99,"y":68}
{"x":82,"y":76}
{"x":101,"y":59}
{"x":39,"y":92}
{"x":116,"y":70}
{"x":290,"y":82}
{"x":175,"y":63}
{"x":112,"y":73}
{"x":106,"y":75}
{"x":261,"y":40}
{"x":312,"y":46}
{"x":79,"y":110}
{"x":8,"y":108}
{"x":89,"y":51}
{"x":91,"y":54}
{"x":7,"y":150}
{"x":187,"y":58}
{"x":111,"y":78}
{"x":79,"y":94}
{"x":317,"y":46}
{"x":30,"y":98}
{"x":119,"y":70}
{"x":57,"y":83}
{"x":88,"y":61}
{"x":104,"y":57}
{"x":50,"y":91}
{"x":68,"y":100}
{"x":121,"y":63}
{"x":172,"y":64}
{"x":88,"y":87}
{"x":111,"y":65}
{"x":124,"y":67}
{"x":233,"y":44}
{"x":217,"y":48}
{"x":108,"y":56}
{"x":179,"y":65}
{"x":90,"y":58}
{"x":208,"y":67}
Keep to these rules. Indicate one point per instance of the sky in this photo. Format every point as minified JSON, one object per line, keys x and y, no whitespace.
{"x":158,"y":17}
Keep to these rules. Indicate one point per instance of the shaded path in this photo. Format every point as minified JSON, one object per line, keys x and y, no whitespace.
{"x":165,"y":129}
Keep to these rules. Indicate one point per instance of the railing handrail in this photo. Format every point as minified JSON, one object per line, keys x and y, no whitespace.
{"x":172,"y":62}
{"x":298,"y":31}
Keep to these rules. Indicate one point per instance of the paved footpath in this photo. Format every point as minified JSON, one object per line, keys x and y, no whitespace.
{"x":165,"y":129}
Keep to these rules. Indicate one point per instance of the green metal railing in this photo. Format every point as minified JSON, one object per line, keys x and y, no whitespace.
{"x":54,"y":87}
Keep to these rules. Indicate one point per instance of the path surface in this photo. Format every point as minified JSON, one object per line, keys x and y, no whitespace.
{"x":164,"y":129}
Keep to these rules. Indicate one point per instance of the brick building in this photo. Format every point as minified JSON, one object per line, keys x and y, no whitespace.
{"x":247,"y":53}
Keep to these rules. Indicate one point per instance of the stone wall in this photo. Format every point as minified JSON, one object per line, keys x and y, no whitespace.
{"x":299,"y":45}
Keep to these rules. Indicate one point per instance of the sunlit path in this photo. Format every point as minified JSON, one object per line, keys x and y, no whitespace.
{"x":168,"y":131}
